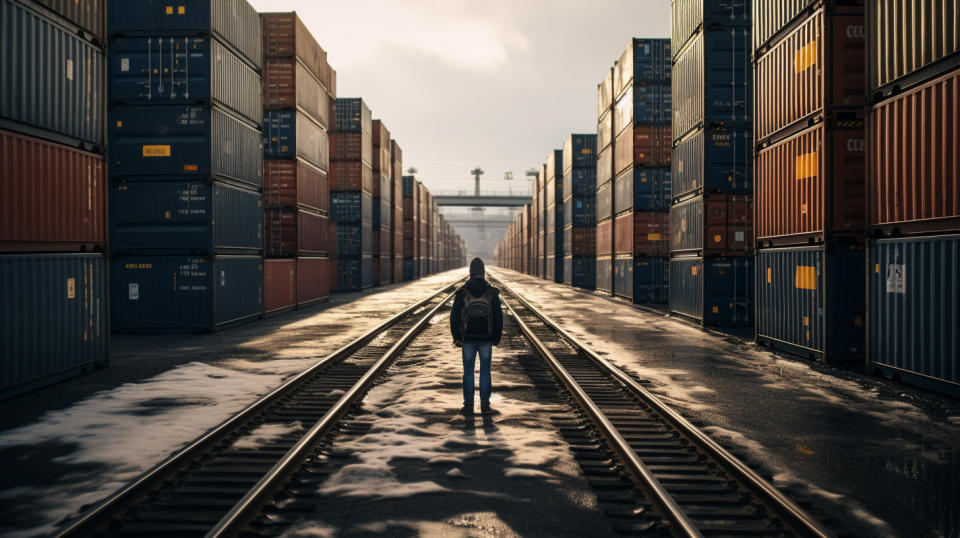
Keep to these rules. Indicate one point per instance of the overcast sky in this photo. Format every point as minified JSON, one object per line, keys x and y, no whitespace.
{"x":459,"y":83}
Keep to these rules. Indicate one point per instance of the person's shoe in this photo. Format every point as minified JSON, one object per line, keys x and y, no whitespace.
{"x":466,"y":410}
{"x":486,"y":409}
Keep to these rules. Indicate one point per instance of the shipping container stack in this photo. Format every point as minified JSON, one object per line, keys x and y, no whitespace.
{"x":53,"y":232}
{"x":536,"y":218}
{"x":186,"y":166}
{"x":809,"y":170}
{"x":396,"y":188}
{"x":580,"y":210}
{"x":711,"y":182}
{"x":434,"y":236}
{"x":411,"y":227}
{"x":913,"y":185}
{"x":423,"y":220}
{"x":382,"y":214}
{"x":297,"y":88}
{"x":636,"y":203}
{"x":351,"y":196}
{"x":554,"y":216}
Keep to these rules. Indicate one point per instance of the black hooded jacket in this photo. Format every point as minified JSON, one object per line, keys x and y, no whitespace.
{"x":476,"y":287}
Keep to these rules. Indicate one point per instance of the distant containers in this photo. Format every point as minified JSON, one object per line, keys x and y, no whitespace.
{"x":382,"y":214}
{"x":351,"y":185}
{"x":411,"y":228}
{"x":711,"y":273}
{"x":553,"y":216}
{"x":579,"y":210}
{"x":396,"y":186}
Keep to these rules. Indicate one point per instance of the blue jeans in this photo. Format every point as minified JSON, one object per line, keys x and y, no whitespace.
{"x":470,"y":351}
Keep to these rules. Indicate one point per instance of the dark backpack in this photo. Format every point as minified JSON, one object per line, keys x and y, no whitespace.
{"x":476,"y":316}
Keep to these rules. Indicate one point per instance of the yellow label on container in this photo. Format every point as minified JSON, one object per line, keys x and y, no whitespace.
{"x":808,"y":165}
{"x":806,"y":321}
{"x":169,"y":10}
{"x":71,"y":288}
{"x":806,"y":278}
{"x":716,"y":310}
{"x":156,"y":151}
{"x":876,"y":268}
{"x":806,"y":57}
{"x":769,"y":275}
{"x":693,"y":270}
{"x":181,"y":10}
{"x":717,"y":238}
{"x":654,"y":237}
{"x":858,"y":321}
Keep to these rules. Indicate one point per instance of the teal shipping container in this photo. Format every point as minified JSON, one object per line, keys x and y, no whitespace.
{"x":715,"y":291}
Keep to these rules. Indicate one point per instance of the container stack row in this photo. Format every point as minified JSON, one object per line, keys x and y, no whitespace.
{"x":186,"y":166}
{"x":53,"y":228}
{"x":553,"y":216}
{"x":633,"y":174}
{"x":396,"y":212}
{"x":580,"y":210}
{"x":297,"y":89}
{"x":382,"y":214}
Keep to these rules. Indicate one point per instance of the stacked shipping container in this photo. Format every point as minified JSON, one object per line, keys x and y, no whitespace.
{"x":580,"y":210}
{"x":382,"y":208}
{"x":296,"y":95}
{"x":711,"y":268}
{"x":53,"y":232}
{"x":186,"y":166}
{"x":351,"y":196}
{"x":553,"y":216}
{"x":913,"y":185}
{"x":396,"y":219}
{"x":411,"y":228}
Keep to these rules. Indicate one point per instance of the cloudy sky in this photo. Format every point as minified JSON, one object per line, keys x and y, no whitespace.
{"x":461,"y":83}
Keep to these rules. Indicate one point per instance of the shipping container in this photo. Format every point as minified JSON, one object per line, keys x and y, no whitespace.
{"x":691,"y":16}
{"x":712,"y":160}
{"x":712,"y":225}
{"x":811,"y":301}
{"x":184,"y":217}
{"x":353,"y":116}
{"x":285,"y":36}
{"x":194,"y":70}
{"x":717,"y":291}
{"x":354,"y":240}
{"x":604,"y":201}
{"x":235,"y":22}
{"x":88,"y":15}
{"x":177,"y":143}
{"x":184,"y":293}
{"x":642,"y":233}
{"x":580,"y":240}
{"x":292,"y":232}
{"x":773,"y":19}
{"x":642,"y":145}
{"x":910,"y":44}
{"x":642,"y":189}
{"x":351,"y":176}
{"x":580,"y":151}
{"x":288,"y":134}
{"x":313,"y":280}
{"x":354,"y":274}
{"x":287,"y":84}
{"x":279,"y":285}
{"x":604,"y":165}
{"x":605,"y":97}
{"x":351,"y":207}
{"x":913,"y":173}
{"x":409,"y":269}
{"x":39,"y":176}
{"x":53,"y":80}
{"x":580,"y":271}
{"x":604,"y":276}
{"x":605,"y":240}
{"x":295,"y":183}
{"x":810,"y":187}
{"x":580,"y":211}
{"x":55,"y":316}
{"x":914,"y":304}
{"x":643,"y":280}
{"x":647,"y":103}
{"x":579,"y":182}
{"x":645,"y":60}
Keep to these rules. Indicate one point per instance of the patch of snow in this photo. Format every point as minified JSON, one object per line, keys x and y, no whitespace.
{"x":517,"y":472}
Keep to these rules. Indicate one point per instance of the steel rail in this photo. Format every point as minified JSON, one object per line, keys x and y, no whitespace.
{"x":795,"y":516}
{"x":99,"y":516}
{"x":249,"y":506}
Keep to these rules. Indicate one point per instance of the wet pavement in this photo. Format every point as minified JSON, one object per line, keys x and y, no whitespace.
{"x":875,"y":458}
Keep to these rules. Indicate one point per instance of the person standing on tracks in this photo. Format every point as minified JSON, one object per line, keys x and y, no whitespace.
{"x":477,"y":325}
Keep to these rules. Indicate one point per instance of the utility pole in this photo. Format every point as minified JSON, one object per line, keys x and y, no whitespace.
{"x":477,"y":172}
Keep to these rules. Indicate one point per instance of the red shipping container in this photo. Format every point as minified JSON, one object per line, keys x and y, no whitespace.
{"x":351,"y":147}
{"x":642,"y":145}
{"x":347,"y":176}
{"x":643,"y":233}
{"x":295,"y":183}
{"x":331,"y":239}
{"x":285,"y":36}
{"x":313,"y":280}
{"x":382,"y":162}
{"x":712,"y":225}
{"x":815,"y":72}
{"x":376,"y":270}
{"x":605,"y":238}
{"x":811,"y":186}
{"x":288,"y":85}
{"x":584,"y":242}
{"x":914,"y":175}
{"x":408,"y":248}
{"x":279,"y":285}
{"x":386,"y":234}
{"x":53,"y":197}
{"x":290,"y":232}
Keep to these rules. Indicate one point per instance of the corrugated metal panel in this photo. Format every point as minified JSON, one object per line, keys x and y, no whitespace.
{"x":580,"y":271}
{"x":177,"y":142}
{"x":717,"y":291}
{"x":580,"y":183}
{"x":350,"y":176}
{"x":351,"y":207}
{"x":910,"y":43}
{"x":688,"y":16}
{"x":580,"y":211}
{"x":288,"y":84}
{"x":353,"y":116}
{"x":643,"y":189}
{"x":713,"y":160}
{"x":354,"y":240}
{"x":290,"y":232}
{"x":53,"y":80}
{"x":604,"y":237}
{"x":604,"y":201}
{"x":87,"y":14}
{"x":643,"y":233}
{"x":643,"y":280}
{"x":182,"y":71}
{"x":913,"y":171}
{"x":715,"y":224}
{"x":812,"y":184}
{"x":605,"y":95}
{"x":295,"y":183}
{"x":54,"y":318}
{"x":770,"y":17}
{"x":812,"y":72}
{"x":285,"y":36}
{"x":313,"y":280}
{"x":352,"y":147}
{"x":294,"y":134}
{"x":189,"y":216}
{"x":236,"y":22}
{"x":645,"y":60}
{"x":605,"y":274}
{"x":184,"y":293}
{"x":812,"y":303}
{"x":646,"y":103}
{"x":354,"y":274}
{"x":39,"y":176}
{"x":279,"y":285}
{"x":604,"y":167}
{"x":642,"y":145}
{"x":580,"y":151}
{"x":915,"y":308}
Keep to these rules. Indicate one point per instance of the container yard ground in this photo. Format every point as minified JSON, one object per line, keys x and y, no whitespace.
{"x":883,"y":458}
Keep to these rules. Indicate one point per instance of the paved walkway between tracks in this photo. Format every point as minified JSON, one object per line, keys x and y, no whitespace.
{"x":883,"y":457}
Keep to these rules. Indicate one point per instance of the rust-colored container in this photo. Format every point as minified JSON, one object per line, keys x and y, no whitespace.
{"x":642,"y":145}
{"x":385,"y":235}
{"x":811,"y":186}
{"x":52,"y":197}
{"x":288,"y":85}
{"x":914,"y":147}
{"x":712,"y":225}
{"x":382,"y":161}
{"x":814,"y":73}
{"x":332,"y":241}
{"x":347,"y":176}
{"x":770,"y":17}
{"x":290,"y":232}
{"x":279,"y":285}
{"x":313,"y":280}
{"x":910,"y":43}
{"x":605,"y":238}
{"x":583,"y":240}
{"x":351,"y":147}
{"x":408,"y":248}
{"x":643,"y":233}
{"x":295,"y":183}
{"x":285,"y":36}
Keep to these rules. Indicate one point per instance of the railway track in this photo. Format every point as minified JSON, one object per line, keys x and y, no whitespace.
{"x":692,"y":483}
{"x":212,"y":486}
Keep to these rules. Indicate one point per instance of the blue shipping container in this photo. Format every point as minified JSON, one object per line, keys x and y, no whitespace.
{"x":353,"y":116}
{"x":643,"y":189}
{"x":235,"y":22}
{"x":351,"y":207}
{"x":408,"y":269}
{"x":354,"y":274}
{"x":288,"y":134}
{"x":354,"y":240}
{"x":580,"y":211}
{"x":579,"y":182}
{"x":175,"y":143}
{"x":408,"y":186}
{"x":185,"y":217}
{"x":812,"y":303}
{"x":191,"y":70}
{"x":915,"y":310}
{"x":580,"y":151}
{"x":54,"y":318}
{"x":53,"y":80}
{"x":184,"y":293}
{"x":714,"y":160}
{"x":645,"y":104}
{"x":643,"y":279}
{"x":604,"y":201}
{"x":717,"y":291}
{"x":604,"y":279}
{"x":580,"y":271}
{"x":649,"y":60}
{"x":689,"y":16}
